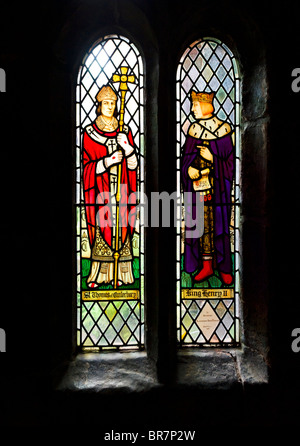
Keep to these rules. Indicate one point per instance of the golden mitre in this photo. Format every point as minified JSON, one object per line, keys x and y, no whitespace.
{"x":203,"y":97}
{"x":106,"y":92}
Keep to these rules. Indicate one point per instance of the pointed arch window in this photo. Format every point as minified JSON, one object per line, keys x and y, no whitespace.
{"x":109,"y":181}
{"x":208,"y":168}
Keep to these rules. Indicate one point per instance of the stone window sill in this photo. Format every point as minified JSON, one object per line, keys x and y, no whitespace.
{"x":133,"y":372}
{"x":109,"y":372}
{"x":221,"y":369}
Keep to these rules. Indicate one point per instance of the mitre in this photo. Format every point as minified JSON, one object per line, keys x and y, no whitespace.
{"x":107,"y":93}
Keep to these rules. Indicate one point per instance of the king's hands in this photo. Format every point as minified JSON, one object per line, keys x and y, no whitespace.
{"x":193,"y":173}
{"x":124,"y":143}
{"x":206,"y":153}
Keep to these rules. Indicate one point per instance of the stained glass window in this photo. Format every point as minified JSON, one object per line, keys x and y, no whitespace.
{"x":208,"y":186}
{"x":109,"y":182}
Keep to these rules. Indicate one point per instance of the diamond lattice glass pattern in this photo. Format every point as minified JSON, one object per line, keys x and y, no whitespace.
{"x":113,"y":319}
{"x":207,"y":309}
{"x":208,"y":67}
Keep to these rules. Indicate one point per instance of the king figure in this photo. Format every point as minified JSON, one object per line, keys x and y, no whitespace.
{"x":207,"y":173}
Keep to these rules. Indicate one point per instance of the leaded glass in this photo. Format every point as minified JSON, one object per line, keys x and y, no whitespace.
{"x":208,"y":168}
{"x":109,"y":183}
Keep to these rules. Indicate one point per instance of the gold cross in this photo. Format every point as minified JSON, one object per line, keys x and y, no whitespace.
{"x":123,"y":78}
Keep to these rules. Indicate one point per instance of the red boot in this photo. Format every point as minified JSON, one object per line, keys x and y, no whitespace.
{"x":206,"y":271}
{"x":226,"y":278}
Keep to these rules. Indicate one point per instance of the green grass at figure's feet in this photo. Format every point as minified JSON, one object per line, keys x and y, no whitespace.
{"x":85,"y":270}
{"x":214,"y":281}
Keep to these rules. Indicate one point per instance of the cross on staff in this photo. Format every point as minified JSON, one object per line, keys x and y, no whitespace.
{"x":123,"y":87}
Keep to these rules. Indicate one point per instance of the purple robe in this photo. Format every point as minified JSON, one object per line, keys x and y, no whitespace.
{"x":223,"y":162}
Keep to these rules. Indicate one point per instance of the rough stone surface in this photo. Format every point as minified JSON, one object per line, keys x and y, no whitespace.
{"x":252,"y":367}
{"x":133,"y":372}
{"x":209,"y":370}
{"x":128,"y":372}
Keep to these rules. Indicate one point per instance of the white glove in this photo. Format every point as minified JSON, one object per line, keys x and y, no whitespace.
{"x":115,"y":158}
{"x":124,"y":143}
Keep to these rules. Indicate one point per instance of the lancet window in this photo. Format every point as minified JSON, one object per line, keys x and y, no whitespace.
{"x":109,"y":179}
{"x":208,"y":185}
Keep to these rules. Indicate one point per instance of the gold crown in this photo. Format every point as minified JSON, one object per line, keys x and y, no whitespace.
{"x":107,"y":93}
{"x":203,"y":97}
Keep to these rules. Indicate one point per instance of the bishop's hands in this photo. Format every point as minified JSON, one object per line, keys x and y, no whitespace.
{"x":123,"y":142}
{"x":115,"y":158}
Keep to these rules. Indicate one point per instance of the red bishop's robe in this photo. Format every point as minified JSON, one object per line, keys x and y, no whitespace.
{"x":97,"y":187}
